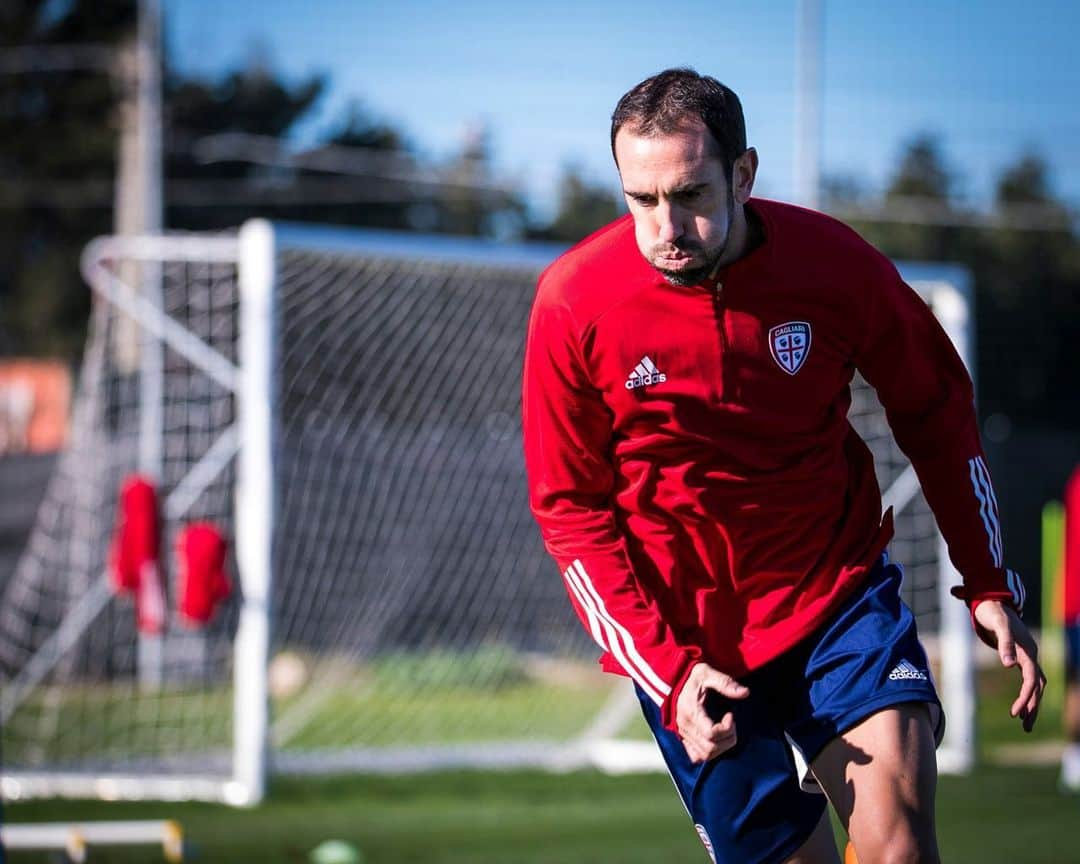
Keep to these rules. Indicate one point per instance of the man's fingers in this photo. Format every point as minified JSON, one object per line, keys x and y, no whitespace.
{"x":1032,"y":685}
{"x":722,"y":739}
{"x":706,"y":731}
{"x":725,"y":685}
{"x":1000,"y":626}
{"x":1028,"y":684}
{"x":706,"y":724}
{"x":707,"y":740}
{"x":1031,"y":713}
{"x":1006,"y":645}
{"x":724,"y":731}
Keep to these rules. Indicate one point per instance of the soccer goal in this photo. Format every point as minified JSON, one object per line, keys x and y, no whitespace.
{"x":344,"y":407}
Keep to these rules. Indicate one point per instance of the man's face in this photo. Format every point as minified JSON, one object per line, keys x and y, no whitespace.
{"x":682,"y":203}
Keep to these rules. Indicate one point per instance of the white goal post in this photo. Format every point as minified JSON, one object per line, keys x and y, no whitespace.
{"x":344,"y":405}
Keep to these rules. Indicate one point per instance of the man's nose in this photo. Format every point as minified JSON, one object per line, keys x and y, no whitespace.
{"x":669,"y":223}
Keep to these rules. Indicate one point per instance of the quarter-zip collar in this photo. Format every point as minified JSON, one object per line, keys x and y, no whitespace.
{"x":752,"y":262}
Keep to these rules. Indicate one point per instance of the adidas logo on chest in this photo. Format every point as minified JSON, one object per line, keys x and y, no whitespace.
{"x":644,"y":374}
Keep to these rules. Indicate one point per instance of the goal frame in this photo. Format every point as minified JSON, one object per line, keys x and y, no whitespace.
{"x":251,"y":441}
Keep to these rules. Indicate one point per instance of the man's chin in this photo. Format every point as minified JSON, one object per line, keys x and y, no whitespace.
{"x":686,"y":276}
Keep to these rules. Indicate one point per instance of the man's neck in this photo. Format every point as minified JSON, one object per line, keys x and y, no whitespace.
{"x":746,"y":235}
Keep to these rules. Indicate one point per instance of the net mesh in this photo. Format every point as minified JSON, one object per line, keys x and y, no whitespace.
{"x":915,"y":544}
{"x":413,"y":606}
{"x":87,"y":708}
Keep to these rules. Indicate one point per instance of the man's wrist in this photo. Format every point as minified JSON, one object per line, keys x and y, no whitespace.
{"x":669,"y":709}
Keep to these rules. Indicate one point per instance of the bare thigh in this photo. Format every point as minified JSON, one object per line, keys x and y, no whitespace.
{"x":881,"y":778}
{"x":820,"y":848}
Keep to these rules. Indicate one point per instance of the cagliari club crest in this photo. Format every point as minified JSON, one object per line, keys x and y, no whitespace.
{"x":790,"y":343}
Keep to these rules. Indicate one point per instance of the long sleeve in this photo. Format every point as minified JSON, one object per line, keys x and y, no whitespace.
{"x":567,"y":435}
{"x":929,"y":401}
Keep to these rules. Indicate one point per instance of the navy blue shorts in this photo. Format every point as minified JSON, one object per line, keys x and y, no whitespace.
{"x":755,"y":803}
{"x":1072,"y":652}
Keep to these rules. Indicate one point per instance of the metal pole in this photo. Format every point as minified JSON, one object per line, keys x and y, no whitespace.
{"x":808,"y":104}
{"x":957,"y":636}
{"x":256,"y":411}
{"x":146,"y":218}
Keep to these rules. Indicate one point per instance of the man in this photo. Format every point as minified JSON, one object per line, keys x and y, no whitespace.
{"x":1070,"y":760}
{"x":718,"y":522}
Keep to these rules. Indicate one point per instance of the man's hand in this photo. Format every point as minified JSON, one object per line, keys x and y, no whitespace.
{"x":704,"y":736}
{"x":1001,"y":628}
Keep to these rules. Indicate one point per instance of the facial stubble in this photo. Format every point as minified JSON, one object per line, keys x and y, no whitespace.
{"x":697,"y":275}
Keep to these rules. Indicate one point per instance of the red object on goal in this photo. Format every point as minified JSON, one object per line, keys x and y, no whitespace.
{"x":137,"y":537}
{"x":135,"y":550}
{"x":1072,"y":549}
{"x":201,"y":578}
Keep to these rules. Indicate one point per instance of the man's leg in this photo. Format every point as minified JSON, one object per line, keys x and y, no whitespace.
{"x":746,"y":805}
{"x":881,"y":776}
{"x":1070,"y":760}
{"x":820,"y":848}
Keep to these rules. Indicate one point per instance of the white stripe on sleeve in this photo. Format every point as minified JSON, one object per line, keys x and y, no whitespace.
{"x":590,"y":614}
{"x":995,"y":517}
{"x":615,"y":646}
{"x":639,"y":662}
{"x":989,"y":519}
{"x":1016,"y":588}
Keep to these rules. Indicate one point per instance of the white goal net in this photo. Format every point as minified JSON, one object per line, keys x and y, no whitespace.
{"x":344,"y":407}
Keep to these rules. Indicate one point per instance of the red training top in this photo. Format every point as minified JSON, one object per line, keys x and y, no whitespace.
{"x":690,"y":460}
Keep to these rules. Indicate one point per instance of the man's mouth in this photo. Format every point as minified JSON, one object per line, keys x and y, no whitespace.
{"x":676,"y":260}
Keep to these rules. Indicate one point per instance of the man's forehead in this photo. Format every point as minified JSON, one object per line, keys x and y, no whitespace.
{"x":690,"y":136}
{"x":667,"y":166}
{"x":677,"y":159}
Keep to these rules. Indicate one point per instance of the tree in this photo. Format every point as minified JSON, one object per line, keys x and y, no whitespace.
{"x":583,"y":207}
{"x":922,"y":197}
{"x":1030,"y":288}
{"x":1024,"y":259}
{"x":227,"y":158}
{"x":922,"y":172}
{"x":202,"y":190}
{"x":58,"y":103}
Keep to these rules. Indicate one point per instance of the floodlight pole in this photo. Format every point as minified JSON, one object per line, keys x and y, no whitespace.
{"x":808,"y":104}
{"x":138,"y":212}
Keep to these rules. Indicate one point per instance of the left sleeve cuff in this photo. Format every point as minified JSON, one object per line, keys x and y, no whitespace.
{"x":998,"y":584}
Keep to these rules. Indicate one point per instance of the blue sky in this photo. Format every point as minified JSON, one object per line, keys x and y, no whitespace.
{"x":992,"y":79}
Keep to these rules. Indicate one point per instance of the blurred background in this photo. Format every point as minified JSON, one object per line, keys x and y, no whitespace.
{"x":943,"y":132}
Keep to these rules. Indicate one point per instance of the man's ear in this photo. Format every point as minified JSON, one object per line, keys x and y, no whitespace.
{"x":743,"y":173}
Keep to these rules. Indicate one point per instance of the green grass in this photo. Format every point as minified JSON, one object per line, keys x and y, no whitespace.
{"x":998,"y":814}
{"x":438,"y":697}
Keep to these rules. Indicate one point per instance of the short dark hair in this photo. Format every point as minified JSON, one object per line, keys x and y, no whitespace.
{"x":664,"y":103}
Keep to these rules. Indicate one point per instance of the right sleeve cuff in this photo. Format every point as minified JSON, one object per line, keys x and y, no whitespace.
{"x":1001,"y":584}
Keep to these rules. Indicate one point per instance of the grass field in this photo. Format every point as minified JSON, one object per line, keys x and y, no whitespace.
{"x":1001,"y":813}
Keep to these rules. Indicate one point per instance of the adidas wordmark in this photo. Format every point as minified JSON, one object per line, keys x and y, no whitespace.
{"x":904,"y":671}
{"x":645,"y":373}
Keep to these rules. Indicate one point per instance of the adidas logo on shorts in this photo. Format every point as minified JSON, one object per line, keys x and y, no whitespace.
{"x":905,"y":671}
